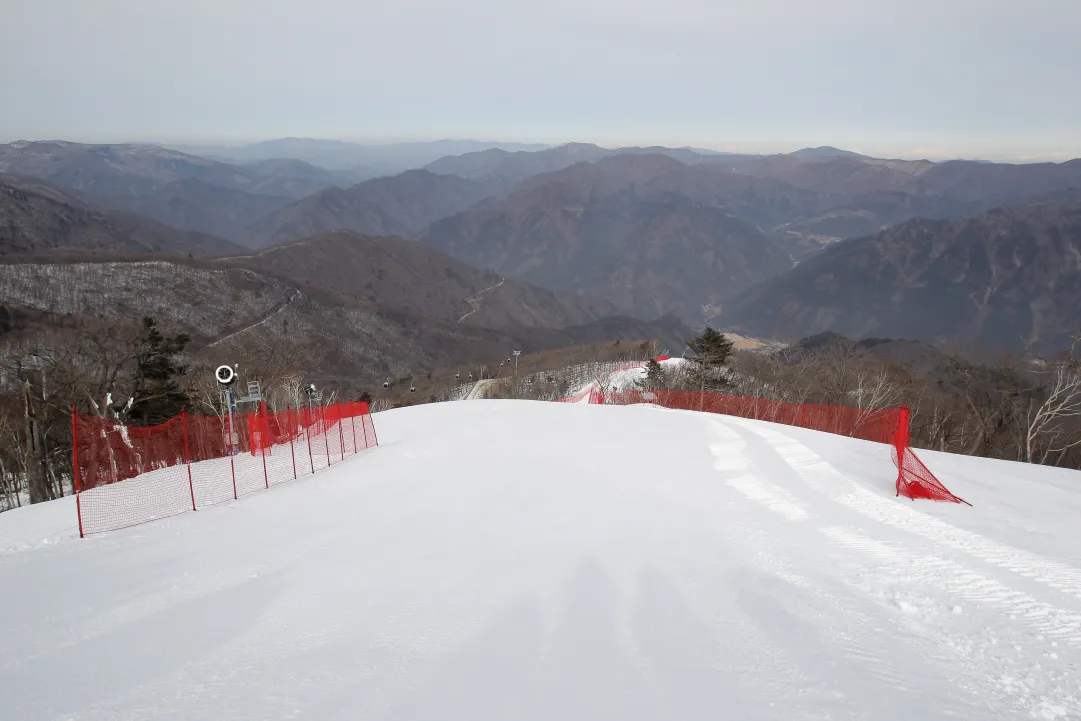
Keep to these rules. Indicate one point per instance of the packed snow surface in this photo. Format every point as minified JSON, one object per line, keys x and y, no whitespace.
{"x":514,"y":560}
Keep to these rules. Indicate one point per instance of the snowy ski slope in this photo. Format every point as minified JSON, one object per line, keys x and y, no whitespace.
{"x":515,"y":560}
{"x":623,"y":379}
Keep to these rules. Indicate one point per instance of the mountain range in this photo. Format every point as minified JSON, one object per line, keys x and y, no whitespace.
{"x":37,"y":217}
{"x":782,"y":245}
{"x":601,"y":228}
{"x":354,"y":307}
{"x":362,"y":160}
{"x":1007,"y":278}
{"x":404,"y":274}
{"x":397,"y":205}
{"x":128,"y":171}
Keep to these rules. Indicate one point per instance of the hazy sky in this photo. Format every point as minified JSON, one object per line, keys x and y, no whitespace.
{"x":987,"y":78}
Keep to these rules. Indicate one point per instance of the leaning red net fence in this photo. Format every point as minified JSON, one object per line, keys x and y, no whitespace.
{"x":127,"y":475}
{"x":880,"y":425}
{"x":915,"y":480}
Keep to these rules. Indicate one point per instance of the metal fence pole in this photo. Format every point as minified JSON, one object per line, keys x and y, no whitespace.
{"x":264,"y":434}
{"x":187,"y":456}
{"x":75,"y":468}
{"x":292,"y":438}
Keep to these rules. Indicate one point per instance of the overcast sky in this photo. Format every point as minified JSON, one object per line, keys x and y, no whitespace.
{"x":978,"y":78}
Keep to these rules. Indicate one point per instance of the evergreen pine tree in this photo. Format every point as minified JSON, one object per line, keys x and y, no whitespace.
{"x":712,"y":350}
{"x":654,"y":378}
{"x":157,"y":395}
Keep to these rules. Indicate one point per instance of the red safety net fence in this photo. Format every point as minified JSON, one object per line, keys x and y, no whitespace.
{"x":127,"y":475}
{"x":880,"y":425}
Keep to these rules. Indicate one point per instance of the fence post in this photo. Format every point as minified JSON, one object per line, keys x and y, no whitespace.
{"x":308,"y":435}
{"x":253,"y":429}
{"x":900,"y":443}
{"x":75,"y":468}
{"x":187,"y":455}
{"x":341,"y":434}
{"x":264,"y":434}
{"x":364,"y":428}
{"x":353,"y":424}
{"x":292,"y":438}
{"x":232,"y":462}
{"x":375,"y":435}
{"x":326,"y":431}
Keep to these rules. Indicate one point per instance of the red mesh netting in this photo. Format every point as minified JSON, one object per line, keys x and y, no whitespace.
{"x":871,"y":424}
{"x":881,"y":425}
{"x":914,"y":480}
{"x":127,"y":475}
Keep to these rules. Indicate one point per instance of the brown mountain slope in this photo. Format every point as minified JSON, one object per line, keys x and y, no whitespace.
{"x":293,"y":178}
{"x":812,"y":199}
{"x":809,"y":201}
{"x":398,"y":205}
{"x":36,"y":217}
{"x":804,"y":219}
{"x":233,"y":313}
{"x":1008,"y":277}
{"x":406,"y":274}
{"x":272,"y":324}
{"x":191,"y":204}
{"x":599,"y":228}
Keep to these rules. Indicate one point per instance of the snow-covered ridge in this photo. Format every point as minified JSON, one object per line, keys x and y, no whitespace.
{"x":611,"y":376}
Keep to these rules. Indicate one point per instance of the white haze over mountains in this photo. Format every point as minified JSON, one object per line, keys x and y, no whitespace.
{"x":975,"y":78}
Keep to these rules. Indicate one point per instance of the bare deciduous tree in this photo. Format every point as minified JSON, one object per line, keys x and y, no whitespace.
{"x":1050,"y":416}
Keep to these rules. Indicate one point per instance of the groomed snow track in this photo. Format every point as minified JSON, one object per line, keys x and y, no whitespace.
{"x":516,"y":560}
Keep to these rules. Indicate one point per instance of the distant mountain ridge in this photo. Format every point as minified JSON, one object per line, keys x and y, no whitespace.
{"x":825,"y":151}
{"x":651,"y":230}
{"x":399,"y":205}
{"x":600,"y":228}
{"x":363,"y":159}
{"x":191,"y":204}
{"x":401,"y":273}
{"x":124,"y":171}
{"x":1010,"y":277}
{"x":36,"y":217}
{"x":512,"y":167}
